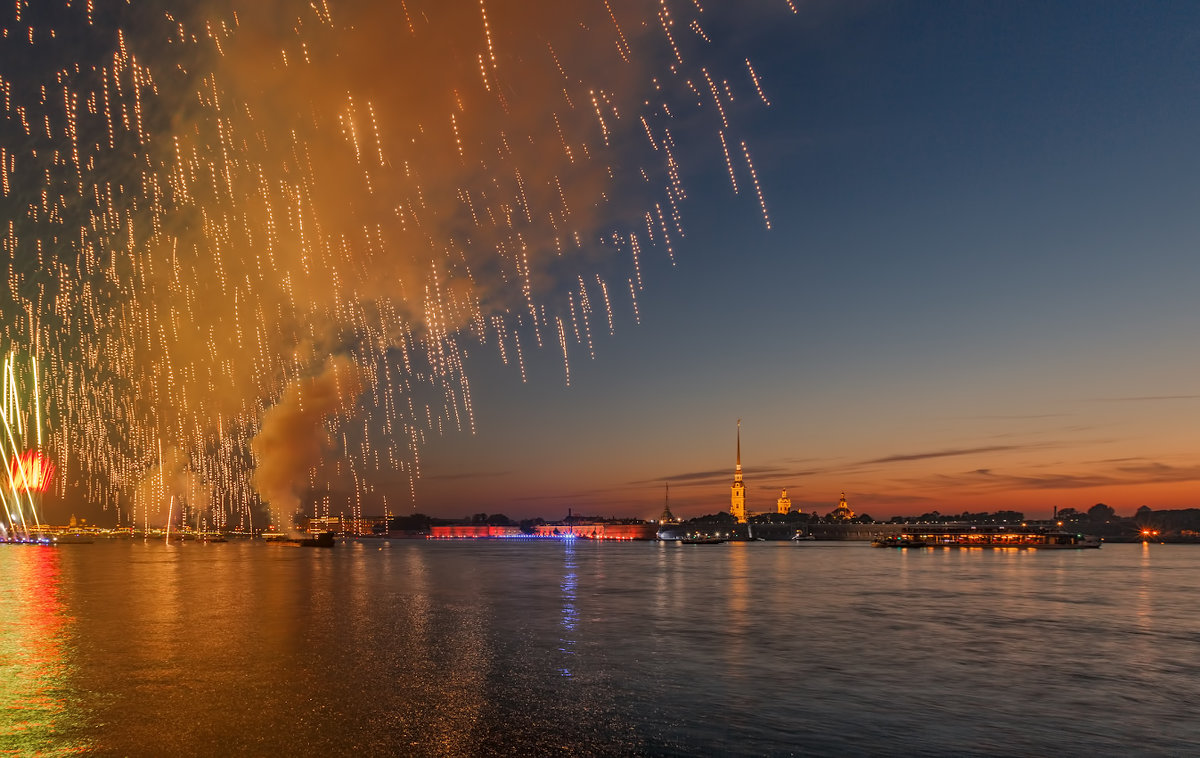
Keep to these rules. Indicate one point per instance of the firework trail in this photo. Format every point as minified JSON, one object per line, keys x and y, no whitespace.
{"x":29,"y":470}
{"x":254,"y":242}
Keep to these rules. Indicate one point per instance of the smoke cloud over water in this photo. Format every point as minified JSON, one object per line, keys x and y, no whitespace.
{"x":293,"y":437}
{"x":204,"y":203}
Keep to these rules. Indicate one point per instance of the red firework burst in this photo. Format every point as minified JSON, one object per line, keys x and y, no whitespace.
{"x":31,"y":471}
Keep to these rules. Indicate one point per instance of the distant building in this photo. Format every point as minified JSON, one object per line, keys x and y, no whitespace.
{"x":599,"y":530}
{"x":842,"y":512}
{"x":737,"y":500}
{"x":323,"y":524}
{"x":585,"y":528}
{"x":784,"y":503}
{"x":473,"y":531}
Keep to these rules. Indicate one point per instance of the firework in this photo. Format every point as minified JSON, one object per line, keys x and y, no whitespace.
{"x":30,"y":470}
{"x":212,"y":213}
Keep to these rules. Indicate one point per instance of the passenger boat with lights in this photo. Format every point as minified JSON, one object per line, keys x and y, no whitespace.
{"x":997,"y":536}
{"x":701,"y":540}
{"x":898,"y":540}
{"x":72,"y":539}
{"x":324,"y":539}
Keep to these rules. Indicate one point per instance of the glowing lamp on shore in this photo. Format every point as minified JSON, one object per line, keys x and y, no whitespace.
{"x":31,"y":471}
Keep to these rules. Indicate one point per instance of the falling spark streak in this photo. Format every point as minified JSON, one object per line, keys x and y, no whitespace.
{"x":622,"y":44}
{"x":757,"y":189}
{"x":637,"y":319}
{"x":716,"y":97}
{"x":664,"y":17}
{"x":585,"y":307}
{"x":562,"y":341}
{"x":607,"y":305}
{"x":635,"y":251}
{"x":487,"y":31}
{"x":728,"y":162}
{"x":649,"y":134}
{"x":757,"y":84}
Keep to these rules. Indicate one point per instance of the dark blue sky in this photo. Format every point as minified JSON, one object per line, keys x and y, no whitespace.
{"x":983,"y":245}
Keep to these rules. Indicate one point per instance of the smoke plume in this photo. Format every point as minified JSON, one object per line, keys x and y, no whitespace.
{"x":293,"y":437}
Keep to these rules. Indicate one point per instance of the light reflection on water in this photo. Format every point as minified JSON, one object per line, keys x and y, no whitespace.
{"x":515,"y":648}
{"x":570,"y":615}
{"x":35,"y":655}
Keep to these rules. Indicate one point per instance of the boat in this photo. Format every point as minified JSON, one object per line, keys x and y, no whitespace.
{"x":202,"y":537}
{"x":801,"y":537}
{"x":897,"y":540}
{"x":701,"y":540}
{"x":73,"y":539}
{"x":1031,"y":537}
{"x":324,"y":539}
{"x":1066,"y":540}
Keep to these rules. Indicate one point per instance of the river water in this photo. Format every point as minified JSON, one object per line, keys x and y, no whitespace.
{"x":582,"y":648}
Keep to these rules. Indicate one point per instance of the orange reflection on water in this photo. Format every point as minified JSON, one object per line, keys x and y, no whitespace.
{"x":34,"y":660}
{"x":738,"y":598}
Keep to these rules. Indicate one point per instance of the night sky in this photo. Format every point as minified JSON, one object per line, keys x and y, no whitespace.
{"x":978,"y":291}
{"x":301,"y":256}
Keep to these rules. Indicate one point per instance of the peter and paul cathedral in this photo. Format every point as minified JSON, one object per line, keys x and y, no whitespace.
{"x":737,"y":497}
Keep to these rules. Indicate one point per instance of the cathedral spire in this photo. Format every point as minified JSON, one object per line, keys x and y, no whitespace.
{"x":737,"y":500}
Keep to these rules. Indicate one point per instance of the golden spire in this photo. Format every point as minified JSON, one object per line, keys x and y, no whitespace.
{"x":737,"y":502}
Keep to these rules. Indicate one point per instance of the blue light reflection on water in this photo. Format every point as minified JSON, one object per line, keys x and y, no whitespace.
{"x":570,"y":614}
{"x":586,"y":648}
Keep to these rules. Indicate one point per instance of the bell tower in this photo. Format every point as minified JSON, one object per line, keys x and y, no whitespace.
{"x":737,"y":498}
{"x":784,"y":503}
{"x":842,"y":512}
